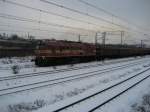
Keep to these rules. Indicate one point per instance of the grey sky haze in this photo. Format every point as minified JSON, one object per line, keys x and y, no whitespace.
{"x":131,"y":11}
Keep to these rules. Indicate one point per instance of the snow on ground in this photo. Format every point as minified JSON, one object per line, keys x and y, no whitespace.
{"x":6,"y":65}
{"x":97,"y":87}
{"x":47,"y":77}
{"x":143,"y":104}
{"x":26,"y":66}
{"x":131,"y":101}
{"x":50,"y":95}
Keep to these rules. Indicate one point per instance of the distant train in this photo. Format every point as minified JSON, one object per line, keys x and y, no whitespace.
{"x":11,"y":48}
{"x":54,"y":52}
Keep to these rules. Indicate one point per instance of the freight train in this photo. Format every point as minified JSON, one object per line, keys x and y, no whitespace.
{"x":11,"y":48}
{"x":54,"y":52}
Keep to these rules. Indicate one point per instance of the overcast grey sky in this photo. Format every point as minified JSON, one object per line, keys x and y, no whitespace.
{"x":44,"y":24}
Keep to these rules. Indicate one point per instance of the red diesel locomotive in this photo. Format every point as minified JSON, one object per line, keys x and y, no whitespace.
{"x":63,"y":52}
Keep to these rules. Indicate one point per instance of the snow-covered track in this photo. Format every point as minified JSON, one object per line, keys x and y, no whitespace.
{"x":63,"y":70}
{"x":31,"y":86}
{"x":100,"y":98}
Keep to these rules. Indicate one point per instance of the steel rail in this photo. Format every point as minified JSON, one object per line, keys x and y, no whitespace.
{"x":56,"y":81}
{"x":60,"y":70}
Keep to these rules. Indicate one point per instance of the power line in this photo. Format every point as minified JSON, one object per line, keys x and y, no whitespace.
{"x":21,"y":19}
{"x":109,"y":13}
{"x":37,"y":29}
{"x":2,"y":30}
{"x":41,"y":22}
{"x":12,"y":17}
{"x":82,"y":13}
{"x":25,"y":33}
{"x":48,"y":12}
{"x":86,"y":14}
{"x":20,"y":31}
{"x":103,"y":10}
{"x":94,"y":6}
{"x":52,"y":13}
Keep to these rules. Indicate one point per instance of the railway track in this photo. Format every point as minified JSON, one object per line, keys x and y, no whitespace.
{"x":96,"y":100}
{"x":61,"y":70}
{"x":31,"y":86}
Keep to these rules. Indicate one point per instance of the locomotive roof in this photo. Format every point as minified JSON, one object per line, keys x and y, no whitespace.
{"x":65,"y":42}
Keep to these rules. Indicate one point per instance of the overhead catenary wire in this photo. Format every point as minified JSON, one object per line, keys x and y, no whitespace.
{"x":25,"y":34}
{"x":53,"y":13}
{"x":29,"y":30}
{"x":37,"y":29}
{"x":12,"y":17}
{"x":20,"y":18}
{"x":67,"y":17}
{"x":83,"y":13}
{"x":23,"y":31}
{"x":107,"y":12}
{"x":87,"y":14}
{"x":111,"y":14}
